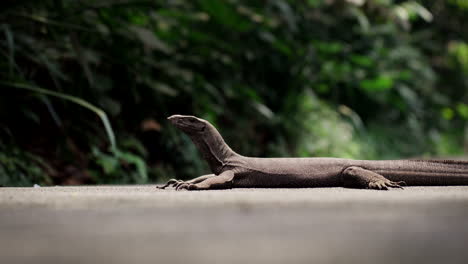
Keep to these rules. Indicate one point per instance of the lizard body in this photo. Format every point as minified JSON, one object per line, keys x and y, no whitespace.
{"x":231,"y":170}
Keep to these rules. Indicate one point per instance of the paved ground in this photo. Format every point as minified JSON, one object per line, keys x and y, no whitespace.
{"x":139,"y":224}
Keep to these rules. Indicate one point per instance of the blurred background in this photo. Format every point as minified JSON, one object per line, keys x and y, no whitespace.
{"x":87,"y":85}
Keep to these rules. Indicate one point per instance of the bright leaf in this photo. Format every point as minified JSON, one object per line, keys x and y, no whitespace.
{"x":380,"y":83}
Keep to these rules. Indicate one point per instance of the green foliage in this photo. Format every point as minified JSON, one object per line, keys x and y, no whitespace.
{"x":459,"y":54}
{"x":20,"y":168}
{"x":357,"y":79}
{"x":325,"y":132}
{"x":118,"y":167}
{"x":102,"y":115}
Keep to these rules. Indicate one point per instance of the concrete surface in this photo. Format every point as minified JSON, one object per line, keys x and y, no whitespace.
{"x":140,"y":224}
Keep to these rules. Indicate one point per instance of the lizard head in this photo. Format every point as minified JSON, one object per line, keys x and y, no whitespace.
{"x":206,"y":138}
{"x":188,"y":124}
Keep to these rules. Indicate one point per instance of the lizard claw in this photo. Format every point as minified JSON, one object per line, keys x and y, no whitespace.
{"x":402,"y":183}
{"x":177,"y":185}
{"x":385,"y":184}
{"x":186,"y":186}
{"x":182,"y":186}
{"x":171,"y":182}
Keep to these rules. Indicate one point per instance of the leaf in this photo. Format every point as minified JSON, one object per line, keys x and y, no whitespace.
{"x":277,"y":44}
{"x":411,"y":10}
{"x":52,"y":67}
{"x":461,"y":4}
{"x":462,"y":110}
{"x":361,"y":60}
{"x":287,"y":14}
{"x":329,"y":47}
{"x":361,"y":18}
{"x":420,"y":10}
{"x":380,"y":83}
{"x":138,"y":162}
{"x":82,"y":59}
{"x":11,"y":48}
{"x":112,"y":106}
{"x":161,"y":87}
{"x":314,"y":3}
{"x":225,"y":14}
{"x":51,"y":110}
{"x":102,"y":115}
{"x":410,"y":97}
{"x":264,"y":110}
{"x":108,"y":163}
{"x":149,"y":39}
{"x":131,"y":143}
{"x":459,"y":51}
{"x":447,"y":113}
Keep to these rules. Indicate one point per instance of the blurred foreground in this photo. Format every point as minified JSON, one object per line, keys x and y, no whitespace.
{"x":139,"y":224}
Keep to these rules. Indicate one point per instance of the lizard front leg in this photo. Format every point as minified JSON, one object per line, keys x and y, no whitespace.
{"x":175,"y":183}
{"x":222,"y":181}
{"x":357,"y":177}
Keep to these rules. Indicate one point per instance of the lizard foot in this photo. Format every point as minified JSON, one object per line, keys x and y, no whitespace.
{"x":384,"y":184}
{"x":185,"y":186}
{"x":358,"y":177}
{"x":171,"y":182}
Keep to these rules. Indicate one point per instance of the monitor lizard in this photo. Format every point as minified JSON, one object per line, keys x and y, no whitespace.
{"x":231,"y":170}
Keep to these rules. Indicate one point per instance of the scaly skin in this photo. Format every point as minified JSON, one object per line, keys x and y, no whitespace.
{"x":231,"y":170}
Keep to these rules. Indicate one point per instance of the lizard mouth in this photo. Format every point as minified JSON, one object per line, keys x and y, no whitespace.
{"x":187,"y":123}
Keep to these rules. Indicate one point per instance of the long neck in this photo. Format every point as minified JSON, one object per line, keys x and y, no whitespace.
{"x":213,"y":148}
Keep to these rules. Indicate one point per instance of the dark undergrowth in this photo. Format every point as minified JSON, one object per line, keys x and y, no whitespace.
{"x":87,"y":85}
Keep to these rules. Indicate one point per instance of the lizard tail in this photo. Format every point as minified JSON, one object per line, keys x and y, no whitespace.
{"x":425,"y":172}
